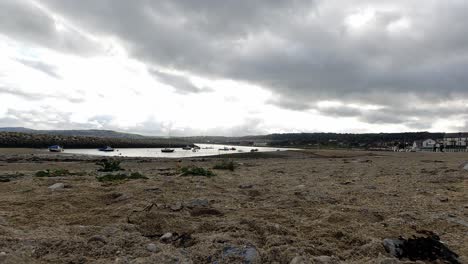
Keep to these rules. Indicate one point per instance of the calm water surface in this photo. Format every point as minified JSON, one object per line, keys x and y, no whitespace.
{"x":206,"y":150}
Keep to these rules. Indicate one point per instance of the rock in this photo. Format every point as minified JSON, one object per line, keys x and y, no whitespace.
{"x":246,"y":186}
{"x":197,"y":203}
{"x":394,"y":246}
{"x":325,"y":260}
{"x":298,"y":260}
{"x":177,"y":206}
{"x":166,"y":238}
{"x":3,"y":256}
{"x":98,"y":239}
{"x":57,"y":186}
{"x":248,"y":254}
{"x":152,"y":248}
{"x":465,"y":167}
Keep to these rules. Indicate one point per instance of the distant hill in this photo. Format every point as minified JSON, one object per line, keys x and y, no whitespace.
{"x":75,"y":133}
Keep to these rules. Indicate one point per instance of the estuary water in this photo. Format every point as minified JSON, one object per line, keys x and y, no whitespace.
{"x":206,"y":150}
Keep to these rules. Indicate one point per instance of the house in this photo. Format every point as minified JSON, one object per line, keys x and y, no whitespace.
{"x":428,"y":144}
{"x":456,"y":140}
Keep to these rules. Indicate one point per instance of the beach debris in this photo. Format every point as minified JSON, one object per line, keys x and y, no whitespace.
{"x":152,"y":248}
{"x":196,"y":171}
{"x":245,"y":254}
{"x":201,"y":211}
{"x":57,"y":186}
{"x":443,"y":199}
{"x":121,"y":177}
{"x":183,"y":241}
{"x":427,"y":247}
{"x":97,"y":239}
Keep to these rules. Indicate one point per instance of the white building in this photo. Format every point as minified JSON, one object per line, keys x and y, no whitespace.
{"x":456,"y":140}
{"x":427,"y":144}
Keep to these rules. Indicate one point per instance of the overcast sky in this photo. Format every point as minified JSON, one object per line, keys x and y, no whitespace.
{"x":234,"y":67}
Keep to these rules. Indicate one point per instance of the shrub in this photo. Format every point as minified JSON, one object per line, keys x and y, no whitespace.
{"x":196,"y":171}
{"x":120,"y":177}
{"x":109,"y":165}
{"x":54,"y":173}
{"x":225,"y":165}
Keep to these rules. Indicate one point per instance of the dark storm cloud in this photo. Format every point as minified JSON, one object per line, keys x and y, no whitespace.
{"x":40,"y":66}
{"x":182,"y":84}
{"x":302,"y":50}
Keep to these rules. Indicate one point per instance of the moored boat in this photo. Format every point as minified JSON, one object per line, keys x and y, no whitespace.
{"x":55,"y":148}
{"x":106,"y":149}
{"x":167,"y":150}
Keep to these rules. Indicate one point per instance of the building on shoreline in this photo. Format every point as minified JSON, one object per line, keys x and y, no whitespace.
{"x":452,"y":142}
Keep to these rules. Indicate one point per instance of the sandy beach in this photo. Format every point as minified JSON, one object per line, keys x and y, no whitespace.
{"x":288,"y":207}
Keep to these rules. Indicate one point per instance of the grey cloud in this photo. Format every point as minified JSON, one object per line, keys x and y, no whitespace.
{"x":180,"y":83}
{"x":302,"y":50}
{"x":22,"y":20}
{"x":41,"y":66}
{"x":38,"y":96}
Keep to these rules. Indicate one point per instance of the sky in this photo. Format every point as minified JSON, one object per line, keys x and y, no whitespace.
{"x":234,"y":67}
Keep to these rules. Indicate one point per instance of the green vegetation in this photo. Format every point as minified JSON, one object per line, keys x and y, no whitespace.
{"x":225,"y":165}
{"x":196,"y":171}
{"x":120,"y":177}
{"x":52,"y":173}
{"x":109,"y":165}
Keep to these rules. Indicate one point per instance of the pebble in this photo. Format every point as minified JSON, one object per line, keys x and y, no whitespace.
{"x":248,"y":254}
{"x":298,"y":260}
{"x":246,"y":186}
{"x":177,"y":206}
{"x":166,"y":237}
{"x":57,"y":186}
{"x":152,"y":247}
{"x":198,"y":203}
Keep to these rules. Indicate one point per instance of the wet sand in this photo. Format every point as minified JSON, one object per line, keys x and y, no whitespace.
{"x":321,"y":207}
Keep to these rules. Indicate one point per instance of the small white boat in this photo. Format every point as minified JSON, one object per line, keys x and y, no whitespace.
{"x":224,"y":149}
{"x":106,"y":149}
{"x":55,"y":148}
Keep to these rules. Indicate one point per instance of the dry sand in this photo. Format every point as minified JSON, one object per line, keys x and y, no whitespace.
{"x":314,"y":207}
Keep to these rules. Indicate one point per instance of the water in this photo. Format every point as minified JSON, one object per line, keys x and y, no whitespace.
{"x":178,"y":153}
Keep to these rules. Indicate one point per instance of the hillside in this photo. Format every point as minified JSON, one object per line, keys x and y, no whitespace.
{"x":80,"y":133}
{"x":31,"y":140}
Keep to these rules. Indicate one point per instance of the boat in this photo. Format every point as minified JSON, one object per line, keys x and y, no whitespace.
{"x":254,"y":150}
{"x":106,"y":149}
{"x":233,"y":148}
{"x":187,"y":147}
{"x":208,"y":148}
{"x":196,"y":147}
{"x":167,"y":150}
{"x":55,"y":148}
{"x":224,"y":149}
